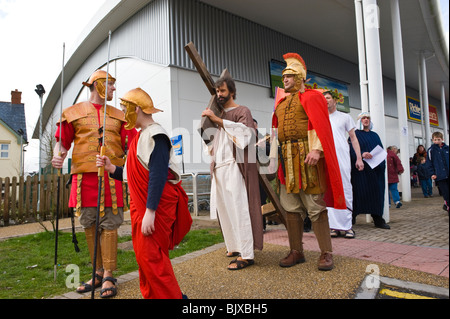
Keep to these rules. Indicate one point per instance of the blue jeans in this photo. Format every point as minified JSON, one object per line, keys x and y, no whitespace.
{"x":394,"y":192}
{"x":427,"y":187}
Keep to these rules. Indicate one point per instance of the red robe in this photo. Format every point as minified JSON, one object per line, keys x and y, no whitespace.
{"x":172,"y":222}
{"x":316,"y":108}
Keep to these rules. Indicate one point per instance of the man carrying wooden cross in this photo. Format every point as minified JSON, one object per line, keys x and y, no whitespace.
{"x":234,"y":176}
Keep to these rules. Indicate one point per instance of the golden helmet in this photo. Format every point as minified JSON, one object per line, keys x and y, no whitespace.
{"x":141,"y":99}
{"x":136,"y":98}
{"x":98,"y":75}
{"x":295,"y":65}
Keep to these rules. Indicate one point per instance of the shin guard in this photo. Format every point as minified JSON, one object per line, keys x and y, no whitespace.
{"x":90,"y":238}
{"x":108,"y":242}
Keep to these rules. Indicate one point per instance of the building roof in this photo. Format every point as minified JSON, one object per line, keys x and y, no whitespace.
{"x":329,"y":25}
{"x":13,"y":115}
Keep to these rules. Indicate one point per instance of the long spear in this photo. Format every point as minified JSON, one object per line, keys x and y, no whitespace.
{"x":59,"y":170}
{"x":101,"y":170}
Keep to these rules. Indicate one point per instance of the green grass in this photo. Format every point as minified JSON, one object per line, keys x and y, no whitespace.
{"x":27,"y":263}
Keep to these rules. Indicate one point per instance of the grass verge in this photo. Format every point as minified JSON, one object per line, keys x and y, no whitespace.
{"x":27,"y":263}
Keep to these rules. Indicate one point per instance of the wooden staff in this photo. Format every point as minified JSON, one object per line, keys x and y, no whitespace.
{"x":101,"y":171}
{"x":58,"y":208}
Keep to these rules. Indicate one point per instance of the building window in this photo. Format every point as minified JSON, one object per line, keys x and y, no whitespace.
{"x":418,"y":141}
{"x":4,"y":149}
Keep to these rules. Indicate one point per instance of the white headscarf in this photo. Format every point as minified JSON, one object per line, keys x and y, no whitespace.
{"x":359,"y":124}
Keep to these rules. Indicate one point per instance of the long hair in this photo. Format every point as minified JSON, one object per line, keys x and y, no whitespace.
{"x":230,"y":84}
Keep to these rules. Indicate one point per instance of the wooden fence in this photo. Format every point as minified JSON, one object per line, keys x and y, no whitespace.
{"x":31,"y":199}
{"x":19,"y":201}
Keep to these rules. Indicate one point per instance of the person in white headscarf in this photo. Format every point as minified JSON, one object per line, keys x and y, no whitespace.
{"x":368,"y":184}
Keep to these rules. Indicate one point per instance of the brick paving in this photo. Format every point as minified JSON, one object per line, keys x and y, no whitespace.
{"x":418,"y":238}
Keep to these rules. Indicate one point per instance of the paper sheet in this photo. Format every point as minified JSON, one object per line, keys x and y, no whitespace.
{"x":378,"y":156}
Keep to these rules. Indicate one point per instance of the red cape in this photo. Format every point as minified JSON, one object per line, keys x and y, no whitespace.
{"x":316,"y":108}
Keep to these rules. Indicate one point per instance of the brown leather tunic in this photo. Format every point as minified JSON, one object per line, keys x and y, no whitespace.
{"x":86,"y":124}
{"x":293,"y":137}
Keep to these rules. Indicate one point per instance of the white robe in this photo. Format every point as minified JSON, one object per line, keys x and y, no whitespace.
{"x":228,"y":191}
{"x":341,"y":124}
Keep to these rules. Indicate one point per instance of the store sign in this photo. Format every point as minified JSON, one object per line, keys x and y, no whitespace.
{"x":415,"y":111}
{"x":177,"y":143}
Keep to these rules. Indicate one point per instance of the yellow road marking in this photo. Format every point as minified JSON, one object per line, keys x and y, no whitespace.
{"x":402,"y":295}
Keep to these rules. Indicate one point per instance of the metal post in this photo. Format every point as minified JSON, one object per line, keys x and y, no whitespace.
{"x":444,"y":113}
{"x":425,"y":105}
{"x":422,"y":131}
{"x":401,"y":99}
{"x":40,"y":91}
{"x":40,"y":138}
{"x":195,"y":193}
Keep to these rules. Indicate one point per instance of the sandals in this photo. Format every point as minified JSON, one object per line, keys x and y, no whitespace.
{"x":233,"y":254}
{"x":350,"y":233}
{"x":241,"y":264}
{"x":88,"y":287}
{"x":347,"y":233}
{"x":113,"y":289}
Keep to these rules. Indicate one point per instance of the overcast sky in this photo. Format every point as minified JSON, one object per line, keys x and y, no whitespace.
{"x":32,"y":33}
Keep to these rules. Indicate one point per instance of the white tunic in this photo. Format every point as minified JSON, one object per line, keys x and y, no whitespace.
{"x":341,"y":124}
{"x":145,"y":147}
{"x":228,"y":191}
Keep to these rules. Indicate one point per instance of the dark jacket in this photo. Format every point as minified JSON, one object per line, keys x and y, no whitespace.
{"x":424,"y":171}
{"x":437,"y":159}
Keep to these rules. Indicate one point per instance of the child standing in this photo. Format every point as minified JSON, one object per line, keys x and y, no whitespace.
{"x":425,"y":178}
{"x":437,"y":158}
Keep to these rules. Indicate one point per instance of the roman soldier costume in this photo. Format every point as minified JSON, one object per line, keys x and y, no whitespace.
{"x":302,"y":124}
{"x":82,"y":124}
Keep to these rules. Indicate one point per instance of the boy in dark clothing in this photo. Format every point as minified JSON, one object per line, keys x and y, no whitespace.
{"x":424,"y":174}
{"x":437,"y":159}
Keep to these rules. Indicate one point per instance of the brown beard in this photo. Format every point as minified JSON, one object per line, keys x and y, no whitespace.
{"x":223,"y":100}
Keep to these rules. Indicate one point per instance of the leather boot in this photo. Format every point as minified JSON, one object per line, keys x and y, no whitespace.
{"x":325,"y":261}
{"x":295,"y":257}
{"x":294,"y":226}
{"x":322,"y":231}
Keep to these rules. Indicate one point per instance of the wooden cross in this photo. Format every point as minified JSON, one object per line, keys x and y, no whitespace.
{"x":207,"y":133}
{"x":207,"y":127}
